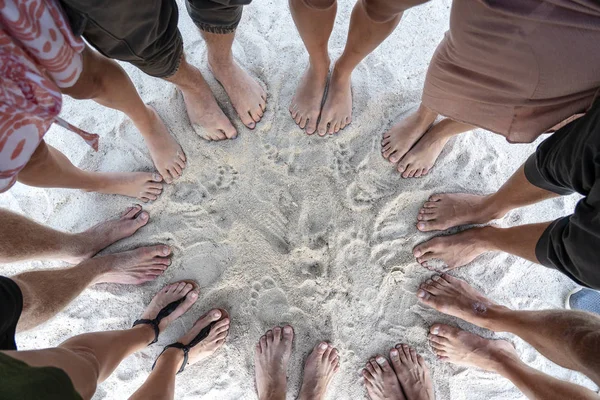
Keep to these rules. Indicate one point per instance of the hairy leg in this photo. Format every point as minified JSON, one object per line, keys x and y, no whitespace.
{"x":104,"y":81}
{"x":47,"y":292}
{"x":247,"y":97}
{"x":206,"y":117}
{"x":464,"y":348}
{"x":444,"y":211}
{"x":421,"y":158}
{"x":24,"y":239}
{"x":460,"y":249}
{"x":49,"y":168}
{"x":372,"y":21}
{"x":568,"y":338}
{"x":314,"y":20}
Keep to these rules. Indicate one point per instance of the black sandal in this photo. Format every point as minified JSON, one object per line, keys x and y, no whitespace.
{"x":165,"y":312}
{"x":186,"y":347}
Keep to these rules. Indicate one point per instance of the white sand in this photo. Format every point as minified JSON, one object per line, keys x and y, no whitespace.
{"x":279,"y":227}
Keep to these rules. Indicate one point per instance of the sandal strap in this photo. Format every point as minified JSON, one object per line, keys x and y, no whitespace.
{"x":186,"y":347}
{"x":164,"y":312}
{"x":153,"y":323}
{"x":176,"y":345}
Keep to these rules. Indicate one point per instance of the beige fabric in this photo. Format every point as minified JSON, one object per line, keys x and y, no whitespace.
{"x":517,"y":68}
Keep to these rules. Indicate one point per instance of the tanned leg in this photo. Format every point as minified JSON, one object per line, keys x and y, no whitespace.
{"x":247,"y":97}
{"x":24,"y":239}
{"x":314,"y":20}
{"x":568,"y":338}
{"x":206,"y":117}
{"x":90,"y":358}
{"x":160,"y":385}
{"x":49,"y":168}
{"x":47,"y":292}
{"x":104,"y":81}
{"x":371,"y":22}
{"x":464,"y":348}
{"x":462,"y":248}
{"x":444,"y":211}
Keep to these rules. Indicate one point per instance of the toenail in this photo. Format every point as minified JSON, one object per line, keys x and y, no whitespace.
{"x":144,"y":216}
{"x":217,"y":314}
{"x":421,"y":293}
{"x":420,"y":225}
{"x":435,"y":277}
{"x":394,"y":352}
{"x":435,"y":330}
{"x":381,"y":361}
{"x":417,"y":253}
{"x":323,"y":346}
{"x":165,"y":250}
{"x":194,"y":295}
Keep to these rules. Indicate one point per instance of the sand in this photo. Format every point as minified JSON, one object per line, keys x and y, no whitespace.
{"x":280,"y":227}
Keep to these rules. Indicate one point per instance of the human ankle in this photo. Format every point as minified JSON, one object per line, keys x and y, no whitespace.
{"x":320,"y":65}
{"x":492,"y":208}
{"x":170,"y":360}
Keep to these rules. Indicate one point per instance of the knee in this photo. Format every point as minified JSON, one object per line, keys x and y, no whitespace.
{"x":91,"y":82}
{"x":382,"y":11}
{"x":319,"y":4}
{"x":83,"y":369}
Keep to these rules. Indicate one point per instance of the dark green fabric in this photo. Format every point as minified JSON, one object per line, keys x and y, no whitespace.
{"x":19,"y":381}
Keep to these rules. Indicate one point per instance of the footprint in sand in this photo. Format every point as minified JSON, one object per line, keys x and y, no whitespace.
{"x":205,"y":262}
{"x":341,"y":159}
{"x":269,"y":302}
{"x":226,"y":178}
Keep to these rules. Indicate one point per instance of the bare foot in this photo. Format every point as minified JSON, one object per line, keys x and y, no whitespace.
{"x":337,"y":110}
{"x":381,"y":381}
{"x":206,"y":117}
{"x":144,"y":186}
{"x":401,"y":137}
{"x":456,"y":297}
{"x":206,"y":348}
{"x":453,"y":250}
{"x":247,"y":97}
{"x":463,"y":348}
{"x":320,"y":367}
{"x":412,"y":372}
{"x":167,"y":154}
{"x":271,"y":358}
{"x":132,"y":267}
{"x":166,"y":296}
{"x":421,"y":158}
{"x":444,"y":211}
{"x":88,"y":243}
{"x":306,"y":103}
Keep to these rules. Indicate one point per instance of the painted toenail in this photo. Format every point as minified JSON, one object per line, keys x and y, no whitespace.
{"x":381,"y":361}
{"x":421,"y":293}
{"x":435,"y":330}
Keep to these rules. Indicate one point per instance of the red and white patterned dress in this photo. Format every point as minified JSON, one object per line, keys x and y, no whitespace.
{"x":38,"y":55}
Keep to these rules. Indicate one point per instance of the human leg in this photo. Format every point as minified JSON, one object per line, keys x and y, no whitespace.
{"x":46,"y":292}
{"x":271,"y":358}
{"x":372,"y":21}
{"x":104,"y":81}
{"x":461,"y":248}
{"x":320,"y":367}
{"x":421,"y":158}
{"x":314,"y":20}
{"x":444,"y":211}
{"x":24,"y":239}
{"x":160,"y":384}
{"x":48,"y":167}
{"x":464,"y":348}
{"x":568,"y":338}
{"x":90,"y":358}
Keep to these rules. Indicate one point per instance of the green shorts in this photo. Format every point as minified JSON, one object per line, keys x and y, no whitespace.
{"x":145,"y":33}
